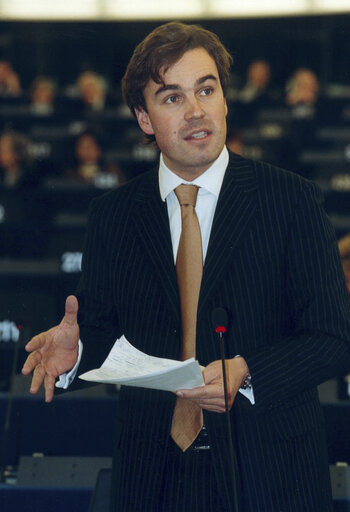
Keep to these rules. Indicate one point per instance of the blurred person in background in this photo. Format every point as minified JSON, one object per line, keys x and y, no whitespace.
{"x":92,"y":90}
{"x":257,"y":92}
{"x":90,"y":166}
{"x":23,"y":212}
{"x":16,"y":163}
{"x":257,"y":83}
{"x":10,"y":84}
{"x":302,"y":92}
{"x":302,"y":99}
{"x":43,"y":94}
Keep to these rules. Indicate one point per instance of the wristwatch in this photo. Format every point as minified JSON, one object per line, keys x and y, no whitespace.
{"x":247,"y":382}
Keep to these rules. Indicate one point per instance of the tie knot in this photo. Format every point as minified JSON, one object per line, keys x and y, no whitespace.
{"x":186,"y":194}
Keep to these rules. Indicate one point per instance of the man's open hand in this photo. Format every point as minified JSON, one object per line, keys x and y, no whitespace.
{"x":53,"y":352}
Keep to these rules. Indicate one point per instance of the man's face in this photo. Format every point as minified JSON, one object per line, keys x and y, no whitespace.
{"x":187,"y":114}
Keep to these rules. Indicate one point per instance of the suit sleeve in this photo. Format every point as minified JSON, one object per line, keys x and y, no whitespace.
{"x":319,"y":348}
{"x":98,"y":320}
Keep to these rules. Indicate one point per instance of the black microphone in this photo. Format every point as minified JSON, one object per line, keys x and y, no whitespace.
{"x":219,"y":320}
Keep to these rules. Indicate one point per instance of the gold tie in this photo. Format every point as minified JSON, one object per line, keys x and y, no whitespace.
{"x":188,"y":416}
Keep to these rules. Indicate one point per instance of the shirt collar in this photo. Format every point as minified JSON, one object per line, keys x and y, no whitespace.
{"x":210,"y":180}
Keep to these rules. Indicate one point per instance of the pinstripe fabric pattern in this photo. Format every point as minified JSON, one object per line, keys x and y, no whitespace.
{"x":273,"y":262}
{"x":178,"y":494}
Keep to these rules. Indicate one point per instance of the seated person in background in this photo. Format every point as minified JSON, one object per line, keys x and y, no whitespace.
{"x":302,"y":92}
{"x":22,"y":211}
{"x":10,"y":84}
{"x":302,"y":98}
{"x":257,"y":82}
{"x":15,"y":159}
{"x":344,"y":248}
{"x":92,"y":89}
{"x":43,"y":93}
{"x":257,"y":92}
{"x":89,"y":165}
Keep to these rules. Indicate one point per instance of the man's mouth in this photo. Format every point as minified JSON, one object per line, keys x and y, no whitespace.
{"x":198,"y":135}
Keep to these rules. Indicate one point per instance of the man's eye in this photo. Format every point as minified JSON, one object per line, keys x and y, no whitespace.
{"x":207,"y":91}
{"x":171,"y":99}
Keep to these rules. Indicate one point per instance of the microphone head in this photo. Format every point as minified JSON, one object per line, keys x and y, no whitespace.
{"x":219,"y":320}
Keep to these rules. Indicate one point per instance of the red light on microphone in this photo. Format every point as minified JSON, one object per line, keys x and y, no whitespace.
{"x":220,"y":328}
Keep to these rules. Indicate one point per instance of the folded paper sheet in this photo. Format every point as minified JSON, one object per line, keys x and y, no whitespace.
{"x":128,"y":366}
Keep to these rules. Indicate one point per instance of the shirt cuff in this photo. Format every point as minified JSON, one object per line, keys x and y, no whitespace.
{"x":65,"y":380}
{"x":248,"y":393}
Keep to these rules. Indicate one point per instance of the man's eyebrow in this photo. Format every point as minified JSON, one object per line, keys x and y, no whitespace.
{"x":168,"y":87}
{"x":205,"y":78}
{"x":176,"y":87}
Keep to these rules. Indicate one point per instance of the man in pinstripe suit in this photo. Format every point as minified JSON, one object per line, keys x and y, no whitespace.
{"x":271,"y":260}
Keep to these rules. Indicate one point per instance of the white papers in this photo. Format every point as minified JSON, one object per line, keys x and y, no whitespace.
{"x":126,"y":365}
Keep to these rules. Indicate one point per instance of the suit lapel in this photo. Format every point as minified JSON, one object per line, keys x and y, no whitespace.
{"x":152,"y":225}
{"x":235,"y":208}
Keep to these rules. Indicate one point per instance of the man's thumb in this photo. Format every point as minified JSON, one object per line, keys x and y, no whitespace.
{"x":71,"y":310}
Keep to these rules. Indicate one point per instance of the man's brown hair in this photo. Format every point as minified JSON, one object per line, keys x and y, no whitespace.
{"x":162,"y":48}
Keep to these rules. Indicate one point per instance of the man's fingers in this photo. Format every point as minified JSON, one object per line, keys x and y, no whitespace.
{"x":49,"y":384}
{"x":71,"y":310}
{"x":31,"y":362}
{"x":202,"y":392}
{"x":209,"y":397}
{"x":214,"y":408}
{"x":213,"y":404}
{"x":36,"y":342}
{"x":38,"y":377}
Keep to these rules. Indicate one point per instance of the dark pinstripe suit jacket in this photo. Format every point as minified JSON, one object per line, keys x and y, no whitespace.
{"x":273,"y":262}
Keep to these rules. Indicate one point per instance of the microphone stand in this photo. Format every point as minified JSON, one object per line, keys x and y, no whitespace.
{"x":220,"y":328}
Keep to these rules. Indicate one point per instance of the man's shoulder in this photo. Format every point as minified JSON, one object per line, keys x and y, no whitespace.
{"x":267,"y":175}
{"x":123,"y":196}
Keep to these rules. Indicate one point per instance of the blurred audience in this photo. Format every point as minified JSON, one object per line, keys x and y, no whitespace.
{"x":10,"y":84}
{"x":90,"y":166}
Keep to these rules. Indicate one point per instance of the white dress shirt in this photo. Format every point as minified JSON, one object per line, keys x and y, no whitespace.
{"x":210,"y":185}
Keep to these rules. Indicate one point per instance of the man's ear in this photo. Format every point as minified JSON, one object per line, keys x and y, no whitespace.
{"x":144,"y":121}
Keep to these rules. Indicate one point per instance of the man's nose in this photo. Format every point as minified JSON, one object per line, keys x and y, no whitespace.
{"x":194,"y":109}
